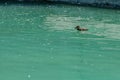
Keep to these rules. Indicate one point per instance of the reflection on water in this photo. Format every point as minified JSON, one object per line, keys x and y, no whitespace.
{"x":39,"y":42}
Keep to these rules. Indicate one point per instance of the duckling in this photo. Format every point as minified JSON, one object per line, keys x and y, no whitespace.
{"x":81,"y":29}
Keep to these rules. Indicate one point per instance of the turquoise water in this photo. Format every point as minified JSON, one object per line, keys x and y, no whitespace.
{"x":39,"y":42}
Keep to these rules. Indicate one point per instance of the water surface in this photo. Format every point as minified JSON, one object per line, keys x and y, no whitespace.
{"x":39,"y":42}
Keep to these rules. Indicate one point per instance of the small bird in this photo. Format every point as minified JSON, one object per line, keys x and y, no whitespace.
{"x":81,"y":29}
